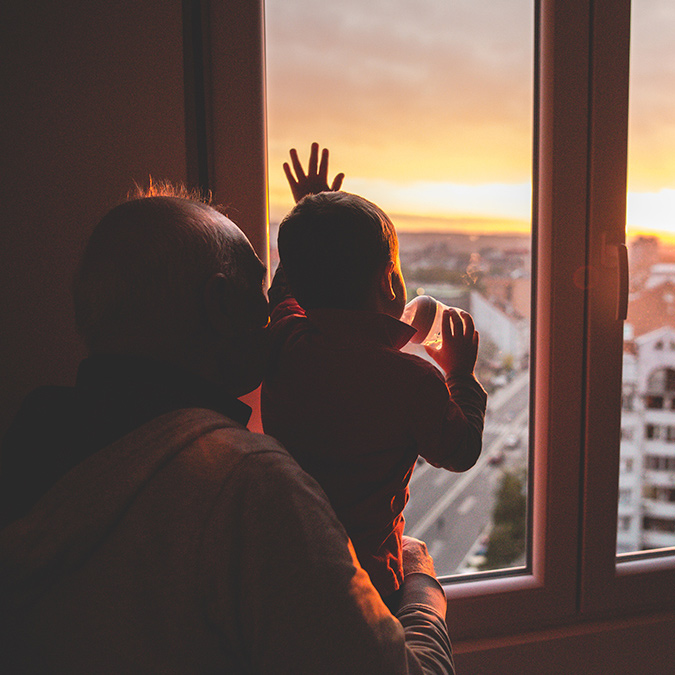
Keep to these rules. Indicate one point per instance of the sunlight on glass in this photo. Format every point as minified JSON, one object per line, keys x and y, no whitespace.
{"x":646,"y":517}
{"x":426,"y":105}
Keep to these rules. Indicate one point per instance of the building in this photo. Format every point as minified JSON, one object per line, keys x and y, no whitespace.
{"x":509,"y":331}
{"x":646,"y":517}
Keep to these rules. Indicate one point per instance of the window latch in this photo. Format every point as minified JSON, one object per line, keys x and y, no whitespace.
{"x":615,"y":256}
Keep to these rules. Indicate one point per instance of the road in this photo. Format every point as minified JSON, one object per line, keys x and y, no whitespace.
{"x":450,"y":512}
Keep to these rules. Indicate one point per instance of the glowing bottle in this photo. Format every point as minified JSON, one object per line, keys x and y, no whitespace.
{"x":424,"y":313}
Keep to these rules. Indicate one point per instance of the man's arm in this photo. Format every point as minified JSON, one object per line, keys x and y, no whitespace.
{"x":303,"y":603}
{"x":422,"y":594}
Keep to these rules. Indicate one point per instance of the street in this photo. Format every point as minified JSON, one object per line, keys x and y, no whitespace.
{"x":451,"y":512}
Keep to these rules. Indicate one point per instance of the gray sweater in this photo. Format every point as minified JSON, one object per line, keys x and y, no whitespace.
{"x":194,"y":546}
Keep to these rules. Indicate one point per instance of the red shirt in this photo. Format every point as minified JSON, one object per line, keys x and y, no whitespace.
{"x":356,"y":412}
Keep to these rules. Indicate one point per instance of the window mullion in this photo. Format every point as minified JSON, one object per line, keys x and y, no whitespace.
{"x":549,"y":594}
{"x":561,"y":281}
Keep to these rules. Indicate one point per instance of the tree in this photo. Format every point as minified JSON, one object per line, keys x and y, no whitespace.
{"x":507,"y":539}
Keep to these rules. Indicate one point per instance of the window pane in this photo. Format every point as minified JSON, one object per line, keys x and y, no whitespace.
{"x":427,"y":107}
{"x":647,"y":474}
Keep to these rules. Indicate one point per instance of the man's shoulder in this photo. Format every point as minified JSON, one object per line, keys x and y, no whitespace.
{"x":215,"y":440}
{"x":212,"y":429}
{"x":252,"y":463}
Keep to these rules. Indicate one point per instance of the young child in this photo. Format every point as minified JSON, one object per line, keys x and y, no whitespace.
{"x":352,"y":409}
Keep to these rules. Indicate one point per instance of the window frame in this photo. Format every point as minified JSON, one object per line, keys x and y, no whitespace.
{"x":581,"y":104}
{"x":546,"y":593}
{"x":641,"y":581}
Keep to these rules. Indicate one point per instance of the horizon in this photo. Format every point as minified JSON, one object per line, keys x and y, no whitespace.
{"x":427,"y":109}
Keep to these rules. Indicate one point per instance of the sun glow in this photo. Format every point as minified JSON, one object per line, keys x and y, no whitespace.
{"x":427,"y":108}
{"x":651,"y":213}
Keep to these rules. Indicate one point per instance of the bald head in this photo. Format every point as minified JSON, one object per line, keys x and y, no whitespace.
{"x":144,"y":271}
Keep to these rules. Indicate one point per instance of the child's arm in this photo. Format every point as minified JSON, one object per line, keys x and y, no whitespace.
{"x":459,"y":348}
{"x":460,"y":434}
{"x":316,"y":179}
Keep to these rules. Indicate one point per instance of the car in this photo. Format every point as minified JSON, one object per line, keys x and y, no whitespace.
{"x":511,"y":442}
{"x":499,"y":381}
{"x":481,"y":550}
{"x":496,"y":458}
{"x":476,"y":561}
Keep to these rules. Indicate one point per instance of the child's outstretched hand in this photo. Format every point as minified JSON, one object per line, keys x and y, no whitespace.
{"x":316,"y":179}
{"x":458,"y":352}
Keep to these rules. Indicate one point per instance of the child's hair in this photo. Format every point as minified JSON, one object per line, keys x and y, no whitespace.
{"x":332,"y":246}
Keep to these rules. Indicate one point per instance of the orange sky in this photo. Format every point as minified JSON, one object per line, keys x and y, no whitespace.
{"x":426,"y":106}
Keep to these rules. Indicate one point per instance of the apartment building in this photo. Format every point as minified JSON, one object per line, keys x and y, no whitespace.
{"x":646,"y":518}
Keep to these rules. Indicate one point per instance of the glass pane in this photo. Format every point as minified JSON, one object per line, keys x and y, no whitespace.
{"x":647,"y":477}
{"x":426,"y":105}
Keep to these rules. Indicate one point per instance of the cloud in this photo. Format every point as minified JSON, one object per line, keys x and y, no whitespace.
{"x":442,"y":90}
{"x":438,"y":92}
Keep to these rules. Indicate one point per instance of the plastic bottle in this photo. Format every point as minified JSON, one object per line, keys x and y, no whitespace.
{"x":424,"y":313}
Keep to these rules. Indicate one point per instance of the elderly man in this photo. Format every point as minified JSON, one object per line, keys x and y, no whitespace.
{"x":146,"y":529}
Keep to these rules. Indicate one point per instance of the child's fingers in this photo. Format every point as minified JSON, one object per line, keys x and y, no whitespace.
{"x":469,"y":327}
{"x":337,"y":182}
{"x":455,"y":321}
{"x":446,"y":325}
{"x":323,"y":166}
{"x":313,"y":160}
{"x":289,"y":175}
{"x":296,"y":164}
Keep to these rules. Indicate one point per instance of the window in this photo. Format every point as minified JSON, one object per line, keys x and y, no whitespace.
{"x":624,"y":523}
{"x":654,"y":402}
{"x":634,"y":579}
{"x":447,"y":153}
{"x":659,"y":494}
{"x":580,"y":158}
{"x":650,"y":317}
{"x":662,"y":379}
{"x":651,"y":524}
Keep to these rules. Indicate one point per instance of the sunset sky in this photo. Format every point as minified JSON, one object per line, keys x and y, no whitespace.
{"x":426,"y":106}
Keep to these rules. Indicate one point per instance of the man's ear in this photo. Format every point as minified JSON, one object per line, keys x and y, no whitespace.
{"x":217,"y":307}
{"x":387,"y":281}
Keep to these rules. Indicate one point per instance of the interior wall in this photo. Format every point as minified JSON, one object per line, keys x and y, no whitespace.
{"x":628,"y":646}
{"x":92,"y":102}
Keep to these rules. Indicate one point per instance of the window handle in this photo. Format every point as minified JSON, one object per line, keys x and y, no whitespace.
{"x":622,"y":306}
{"x":615,"y":256}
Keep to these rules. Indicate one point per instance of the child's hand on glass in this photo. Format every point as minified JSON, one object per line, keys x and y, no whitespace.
{"x":459,"y":349}
{"x":316,"y":179}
